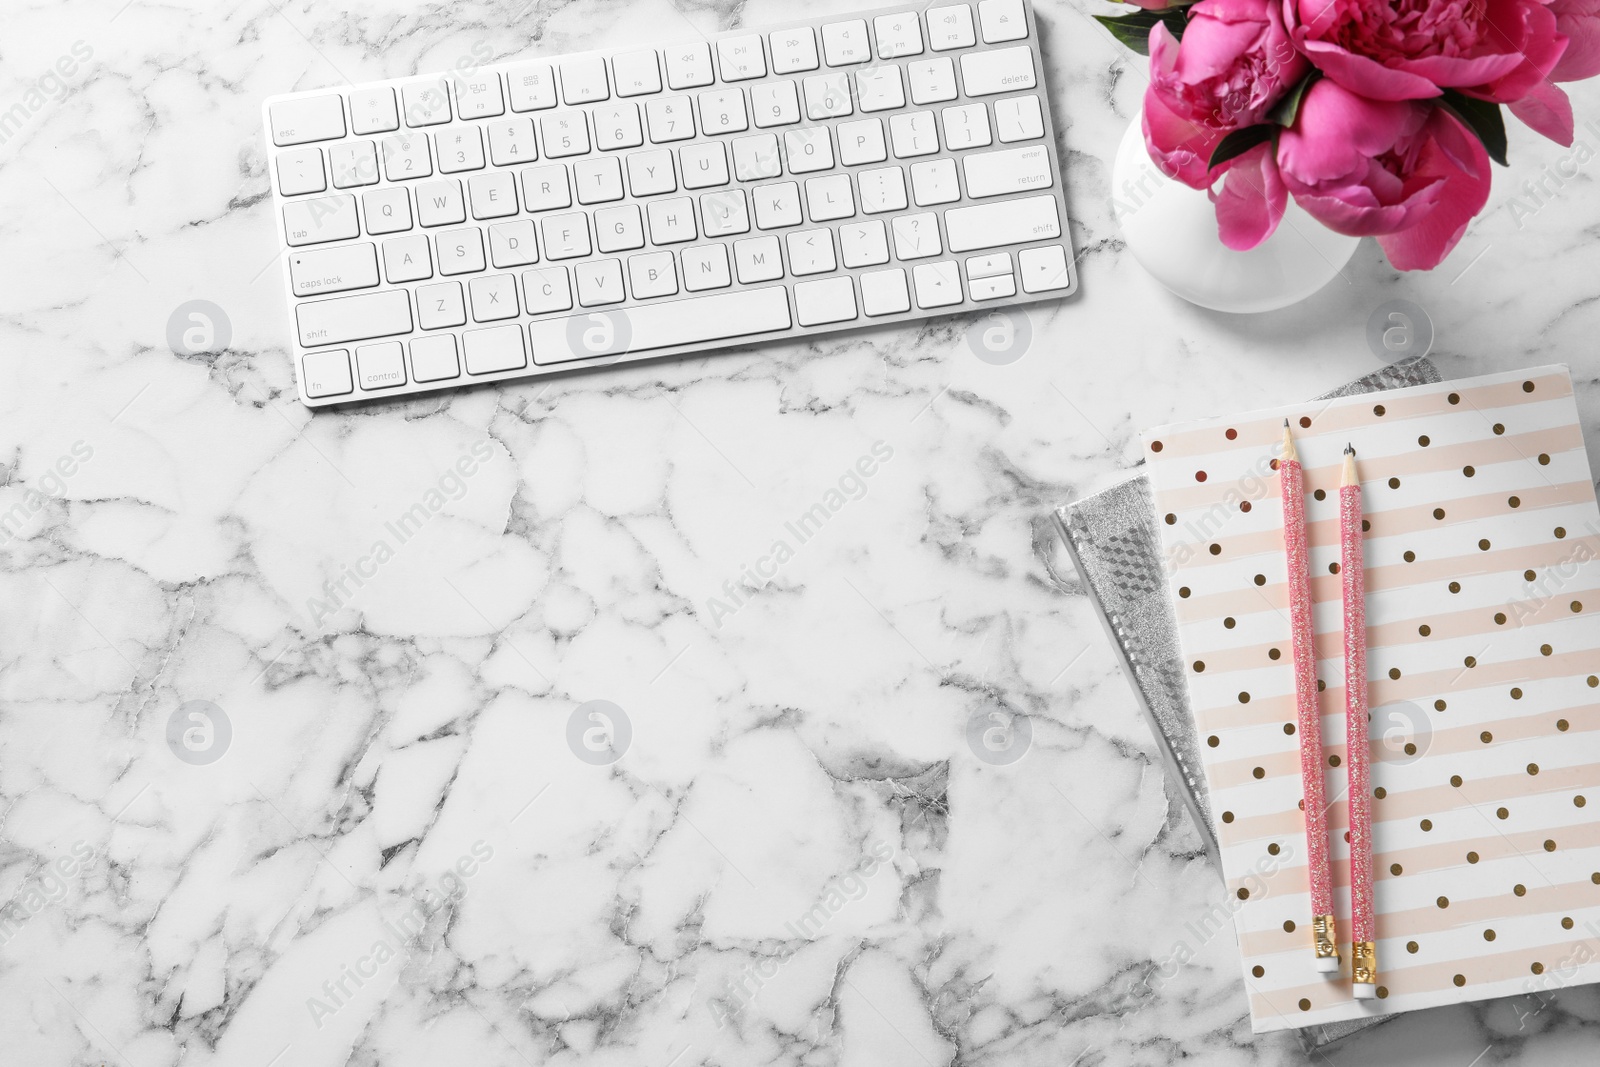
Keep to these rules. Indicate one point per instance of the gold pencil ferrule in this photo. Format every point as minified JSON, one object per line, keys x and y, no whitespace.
{"x":1326,"y":937}
{"x":1364,"y":962}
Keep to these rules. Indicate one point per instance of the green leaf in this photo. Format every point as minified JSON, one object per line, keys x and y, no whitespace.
{"x":1483,"y":118}
{"x":1133,"y":30}
{"x":1285,"y":111}
{"x":1241,"y":141}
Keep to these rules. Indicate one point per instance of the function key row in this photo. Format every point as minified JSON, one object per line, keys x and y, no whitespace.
{"x":535,"y":86}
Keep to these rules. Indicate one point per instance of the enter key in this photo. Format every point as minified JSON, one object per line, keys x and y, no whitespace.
{"x":1014,"y":170}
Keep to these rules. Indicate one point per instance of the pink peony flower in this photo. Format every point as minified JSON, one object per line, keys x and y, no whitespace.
{"x":1579,"y":20}
{"x":1235,"y":62}
{"x":1499,"y":50}
{"x":1406,"y":172}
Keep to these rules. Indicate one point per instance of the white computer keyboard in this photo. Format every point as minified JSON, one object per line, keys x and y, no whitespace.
{"x":530,"y":218}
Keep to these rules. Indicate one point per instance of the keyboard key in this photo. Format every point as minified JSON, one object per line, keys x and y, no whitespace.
{"x":861,"y":142}
{"x":354,"y":318}
{"x":811,"y":252}
{"x":598,"y":181}
{"x":723,"y":111}
{"x":381,"y":366}
{"x":583,"y":80}
{"x":705,"y":267}
{"x":691,"y":321}
{"x":546,"y":188}
{"x":704,"y":165}
{"x":511,"y":141}
{"x":827,"y":96}
{"x":775,"y":104}
{"x":899,"y":35}
{"x":493,"y":195}
{"x":406,"y":156}
{"x":1013,"y":170}
{"x":777,"y":205}
{"x":808,"y":150}
{"x":863,"y":244}
{"x":407,"y":259}
{"x":300,"y":171}
{"x":427,"y":102}
{"x":655,"y":274}
{"x":670,"y":119}
{"x":793,"y":50}
{"x":327,"y":373}
{"x":496,"y":349}
{"x":1001,"y":70}
{"x":565,"y":133}
{"x":916,"y":236}
{"x":884,"y":292}
{"x":724,"y":214}
{"x":433,"y":358}
{"x":845,"y":43}
{"x":460,"y":251}
{"x":912,"y":134}
{"x":326,"y":218}
{"x":671,"y":221}
{"x":879,"y":89}
{"x":756,"y":157}
{"x":651,"y":172}
{"x":1018,"y":118}
{"x":440,"y":305}
{"x":493,"y":297}
{"x":1032,"y":218}
{"x":829,"y":198}
{"x":989,"y":266}
{"x":354,"y":163}
{"x":478,"y":96}
{"x":966,"y":126}
{"x":512,"y":244}
{"x":532,"y":86}
{"x":617,"y":126}
{"x":1044,"y":269}
{"x":937,"y":284}
{"x":758,"y":259}
{"x":689,"y":66}
{"x":546,"y":289}
{"x":741,"y":58}
{"x":831,"y":300}
{"x":992,"y":288}
{"x":950,"y":27}
{"x":883,"y":189}
{"x":1002,"y":20}
{"x":619,"y":229}
{"x":387,"y":210}
{"x":333,"y":270}
{"x":440,"y":203}
{"x":373,"y":111}
{"x":636,"y":73}
{"x":933,"y":81}
{"x":566,"y":236}
{"x":934,"y":182}
{"x":310,"y":118}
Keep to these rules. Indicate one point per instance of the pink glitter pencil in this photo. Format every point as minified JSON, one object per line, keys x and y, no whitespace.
{"x":1325,"y":940}
{"x":1358,"y":756}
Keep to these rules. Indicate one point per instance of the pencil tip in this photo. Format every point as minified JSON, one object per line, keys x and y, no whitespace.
{"x":1285,"y":424}
{"x":1349,"y":449}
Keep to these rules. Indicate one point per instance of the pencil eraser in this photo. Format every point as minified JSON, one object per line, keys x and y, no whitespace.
{"x":1364,"y":991}
{"x":1327,"y":964}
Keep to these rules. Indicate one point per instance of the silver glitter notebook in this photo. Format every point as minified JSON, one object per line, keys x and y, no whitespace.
{"x":1112,"y":539}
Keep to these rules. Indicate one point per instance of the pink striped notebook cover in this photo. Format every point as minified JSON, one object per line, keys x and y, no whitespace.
{"x":1483,"y":633}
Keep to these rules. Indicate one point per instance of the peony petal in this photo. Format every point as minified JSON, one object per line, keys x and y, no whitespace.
{"x":1181,"y":149}
{"x":1423,"y":245}
{"x":1548,"y":111}
{"x":1337,"y":132}
{"x":1365,"y":76}
{"x":1211,"y":47}
{"x":1580,"y":21}
{"x":1252,"y":200}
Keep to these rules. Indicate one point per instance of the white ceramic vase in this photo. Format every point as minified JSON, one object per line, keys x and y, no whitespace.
{"x":1171,"y":230}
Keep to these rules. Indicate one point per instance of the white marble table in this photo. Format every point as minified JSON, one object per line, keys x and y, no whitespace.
{"x":399,"y":858}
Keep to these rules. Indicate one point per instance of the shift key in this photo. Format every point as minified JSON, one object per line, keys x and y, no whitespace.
{"x":354,"y":318}
{"x":1007,"y":222}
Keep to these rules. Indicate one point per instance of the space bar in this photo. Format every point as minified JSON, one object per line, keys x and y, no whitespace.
{"x":618,"y":331}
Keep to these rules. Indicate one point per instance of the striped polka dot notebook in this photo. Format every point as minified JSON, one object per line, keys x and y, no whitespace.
{"x":1483,"y":633}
